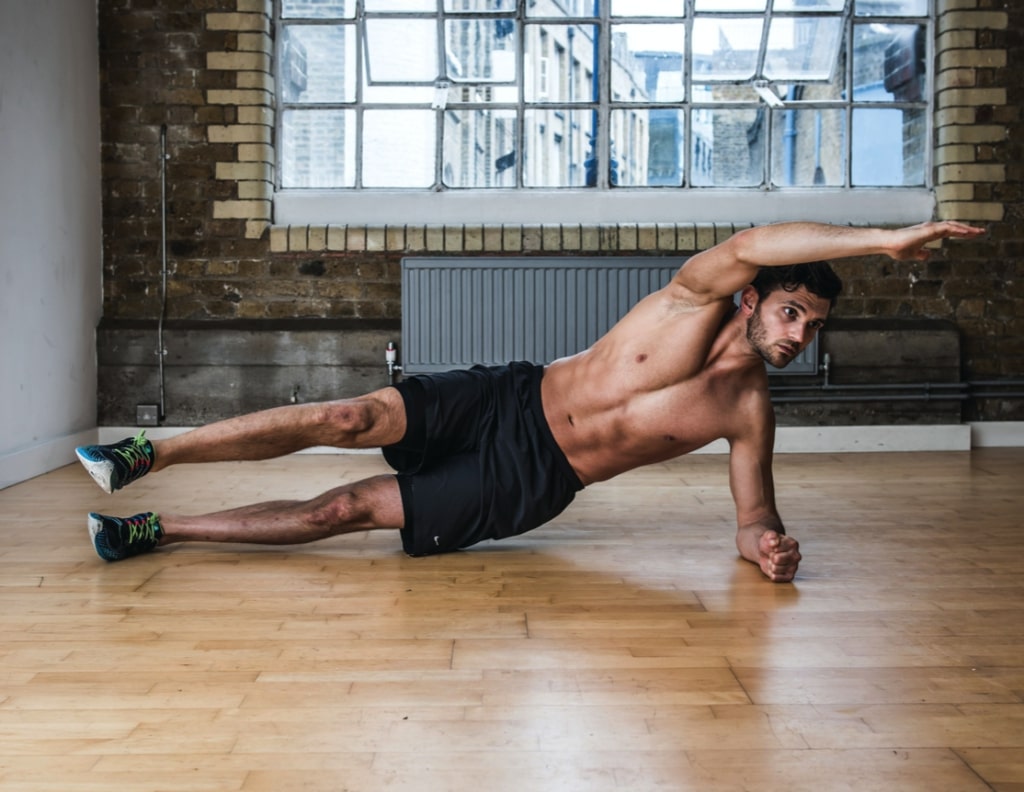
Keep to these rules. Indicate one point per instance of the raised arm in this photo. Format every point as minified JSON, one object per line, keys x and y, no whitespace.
{"x":724,"y":269}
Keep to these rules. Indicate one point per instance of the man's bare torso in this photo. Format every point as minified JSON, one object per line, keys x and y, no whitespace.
{"x":663,"y":382}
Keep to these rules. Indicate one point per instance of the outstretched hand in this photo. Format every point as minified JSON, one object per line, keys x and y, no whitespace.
{"x":909,"y":243}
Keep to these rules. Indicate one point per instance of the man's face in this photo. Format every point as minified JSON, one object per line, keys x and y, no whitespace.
{"x":782,"y":324}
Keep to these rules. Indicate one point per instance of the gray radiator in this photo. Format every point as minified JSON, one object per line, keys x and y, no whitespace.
{"x":460,"y":311}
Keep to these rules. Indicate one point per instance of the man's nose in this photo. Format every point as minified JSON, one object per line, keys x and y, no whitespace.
{"x":801,"y":334}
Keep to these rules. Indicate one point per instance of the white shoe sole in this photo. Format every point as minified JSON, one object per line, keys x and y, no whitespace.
{"x":101,"y":472}
{"x":95,"y":526}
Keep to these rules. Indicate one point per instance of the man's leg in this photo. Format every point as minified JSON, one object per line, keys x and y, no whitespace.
{"x":371,"y":421}
{"x":365,"y":505}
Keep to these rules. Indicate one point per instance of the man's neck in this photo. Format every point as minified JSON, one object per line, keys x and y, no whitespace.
{"x":731,"y":349}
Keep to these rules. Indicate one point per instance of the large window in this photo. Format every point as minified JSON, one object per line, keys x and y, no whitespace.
{"x":484,"y":96}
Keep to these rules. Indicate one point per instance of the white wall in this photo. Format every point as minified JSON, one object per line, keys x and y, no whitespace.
{"x":50,"y":232}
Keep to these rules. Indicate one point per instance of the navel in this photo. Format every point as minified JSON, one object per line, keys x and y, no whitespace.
{"x":669,"y":438}
{"x":641,"y":357}
{"x":571,"y":421}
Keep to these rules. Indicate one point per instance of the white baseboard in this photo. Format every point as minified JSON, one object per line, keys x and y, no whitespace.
{"x":27,"y":463}
{"x":997,"y":434}
{"x":848,"y":439}
{"x":853,"y":439}
{"x":34,"y":461}
{"x":30,"y":462}
{"x":788,"y":439}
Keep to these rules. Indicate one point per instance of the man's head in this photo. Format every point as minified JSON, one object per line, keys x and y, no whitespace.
{"x":817,"y":277}
{"x":786,"y":306}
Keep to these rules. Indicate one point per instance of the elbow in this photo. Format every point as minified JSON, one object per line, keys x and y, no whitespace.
{"x":743,"y":247}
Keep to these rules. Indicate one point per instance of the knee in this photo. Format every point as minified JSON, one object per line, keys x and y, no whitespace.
{"x":340,"y":510}
{"x":350,"y":416}
{"x":364,"y":505}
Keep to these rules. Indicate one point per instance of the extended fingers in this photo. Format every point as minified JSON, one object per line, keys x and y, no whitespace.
{"x":917,"y":247}
{"x":955,"y":228}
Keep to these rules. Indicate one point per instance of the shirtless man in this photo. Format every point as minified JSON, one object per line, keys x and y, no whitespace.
{"x":491,"y":453}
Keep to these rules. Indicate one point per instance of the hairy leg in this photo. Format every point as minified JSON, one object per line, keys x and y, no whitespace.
{"x":365,"y":505}
{"x":370,"y":421}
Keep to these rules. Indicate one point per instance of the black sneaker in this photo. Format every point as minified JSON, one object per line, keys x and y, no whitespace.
{"x":114,"y":466}
{"x":122,"y":537}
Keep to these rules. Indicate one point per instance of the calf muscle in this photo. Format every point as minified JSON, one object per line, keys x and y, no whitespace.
{"x":377,"y":419}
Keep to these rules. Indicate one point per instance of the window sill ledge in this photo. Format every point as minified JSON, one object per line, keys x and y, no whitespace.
{"x":651,"y":206}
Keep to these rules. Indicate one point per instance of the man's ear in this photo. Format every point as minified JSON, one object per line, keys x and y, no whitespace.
{"x":748,"y":300}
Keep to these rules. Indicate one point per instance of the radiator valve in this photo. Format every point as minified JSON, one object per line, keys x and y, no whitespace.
{"x":390,"y":356}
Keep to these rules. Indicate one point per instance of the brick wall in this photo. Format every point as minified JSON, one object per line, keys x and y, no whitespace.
{"x":203,"y":68}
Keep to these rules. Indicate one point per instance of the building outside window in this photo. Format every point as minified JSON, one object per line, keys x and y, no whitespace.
{"x":436,"y":96}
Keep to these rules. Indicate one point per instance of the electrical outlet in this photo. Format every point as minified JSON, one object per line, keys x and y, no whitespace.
{"x":147,"y":415}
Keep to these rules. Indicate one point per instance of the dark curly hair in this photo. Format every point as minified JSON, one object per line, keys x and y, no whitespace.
{"x":817,"y":277}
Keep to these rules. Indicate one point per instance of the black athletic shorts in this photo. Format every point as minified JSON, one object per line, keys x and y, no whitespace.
{"x":478,"y":460}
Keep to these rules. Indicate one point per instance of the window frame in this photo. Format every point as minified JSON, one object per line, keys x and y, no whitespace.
{"x":607,"y":204}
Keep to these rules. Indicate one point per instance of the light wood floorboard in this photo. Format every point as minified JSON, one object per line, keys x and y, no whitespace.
{"x":623,"y":647}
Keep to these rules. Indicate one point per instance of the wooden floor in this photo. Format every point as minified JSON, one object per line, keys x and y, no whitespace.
{"x":623,"y":647}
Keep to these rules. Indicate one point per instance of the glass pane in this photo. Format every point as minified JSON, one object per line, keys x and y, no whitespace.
{"x":481,"y":50}
{"x":648,"y":147}
{"x":561,"y":8}
{"x":656,"y":8}
{"x":318,"y":9}
{"x":318,"y":63}
{"x":888,"y":147}
{"x":559,"y":63}
{"x":889,"y":63}
{"x":557,"y":148}
{"x":730,"y":5}
{"x":479,"y":5}
{"x":388,"y":6}
{"x":483,"y":94}
{"x":808,"y":5}
{"x":725,"y":49}
{"x":318,"y":148}
{"x":479,"y":148}
{"x":398,"y":148}
{"x":402,"y":94}
{"x":808,"y":148}
{"x":727,"y":147}
{"x":833,"y":90}
{"x":891,"y":8}
{"x":414,"y":61}
{"x":802,"y":48}
{"x":647,"y":63}
{"x":724,"y":92}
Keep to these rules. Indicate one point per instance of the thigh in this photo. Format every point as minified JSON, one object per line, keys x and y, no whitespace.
{"x":443,"y":506}
{"x":445,"y":415}
{"x":459,"y":409}
{"x":470,"y":497}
